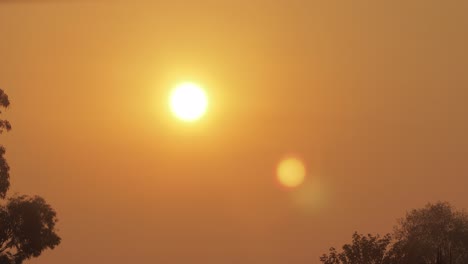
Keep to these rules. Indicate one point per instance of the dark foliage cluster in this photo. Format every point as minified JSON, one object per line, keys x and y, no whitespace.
{"x":27,"y":223}
{"x":4,"y":102}
{"x":435,"y":234}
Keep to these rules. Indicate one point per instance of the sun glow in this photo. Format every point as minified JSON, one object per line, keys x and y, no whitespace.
{"x":291,"y":172}
{"x":188,"y":102}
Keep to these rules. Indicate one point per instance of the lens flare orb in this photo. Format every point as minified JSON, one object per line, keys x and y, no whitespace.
{"x":291,"y":172}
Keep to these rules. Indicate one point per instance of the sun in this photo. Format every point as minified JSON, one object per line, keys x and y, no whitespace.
{"x":291,"y":172}
{"x":188,"y":102}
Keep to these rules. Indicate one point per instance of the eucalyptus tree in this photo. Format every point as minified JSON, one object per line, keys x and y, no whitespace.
{"x":27,"y":223}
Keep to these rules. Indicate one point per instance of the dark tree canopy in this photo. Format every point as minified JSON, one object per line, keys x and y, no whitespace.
{"x":4,"y":102}
{"x":435,"y":234}
{"x":27,"y":224}
{"x":426,"y":231}
{"x":363,"y":249}
{"x":4,"y":174}
{"x":27,"y":227}
{"x":4,"y":169}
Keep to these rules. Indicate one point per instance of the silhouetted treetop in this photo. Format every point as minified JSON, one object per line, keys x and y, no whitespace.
{"x":4,"y":168}
{"x":423,"y":232}
{"x":28,"y":227}
{"x":4,"y":174}
{"x":27,"y":224}
{"x":434,"y":234}
{"x":370,"y":249}
{"x":4,"y":102}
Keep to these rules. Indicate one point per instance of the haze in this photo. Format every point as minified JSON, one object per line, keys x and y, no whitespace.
{"x":370,"y":94}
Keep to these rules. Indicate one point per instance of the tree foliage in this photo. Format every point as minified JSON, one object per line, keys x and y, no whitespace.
{"x":4,"y":174}
{"x":422,"y":233}
{"x":27,"y":224}
{"x":4,"y":102}
{"x":434,"y":234}
{"x":370,"y":249}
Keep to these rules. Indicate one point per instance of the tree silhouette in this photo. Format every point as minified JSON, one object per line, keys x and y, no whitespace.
{"x":435,"y":234}
{"x":368,"y":249}
{"x":437,"y":231}
{"x":27,"y":224}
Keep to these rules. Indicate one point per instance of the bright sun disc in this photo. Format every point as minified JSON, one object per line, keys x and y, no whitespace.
{"x":188,"y":102}
{"x":291,"y":172}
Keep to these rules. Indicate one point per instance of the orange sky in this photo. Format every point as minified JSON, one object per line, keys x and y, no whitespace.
{"x":370,"y":94}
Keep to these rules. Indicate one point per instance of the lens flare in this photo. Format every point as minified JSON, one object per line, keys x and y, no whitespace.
{"x":291,"y":172}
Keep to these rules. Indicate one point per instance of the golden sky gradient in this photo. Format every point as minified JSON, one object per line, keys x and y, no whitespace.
{"x":371,"y":95}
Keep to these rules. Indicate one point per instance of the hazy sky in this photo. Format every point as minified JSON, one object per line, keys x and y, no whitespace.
{"x":371,"y":94}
